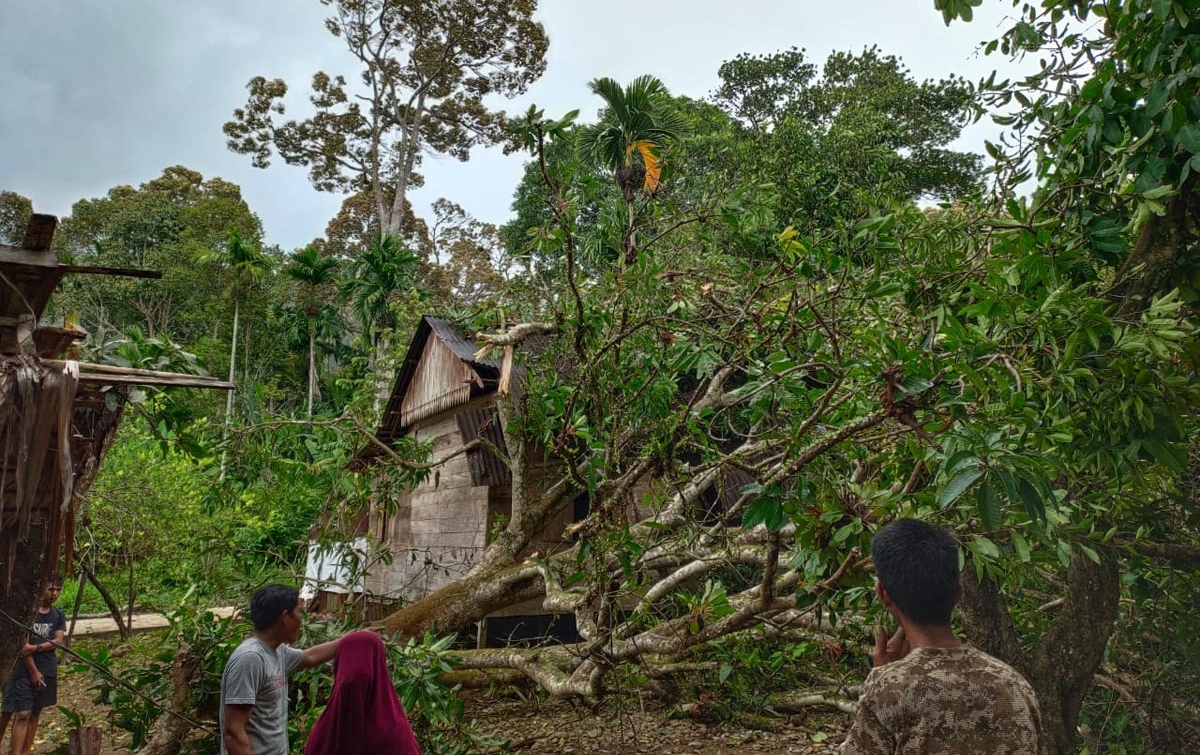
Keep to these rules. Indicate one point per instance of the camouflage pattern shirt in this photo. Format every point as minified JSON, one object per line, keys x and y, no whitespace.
{"x":946,"y":701}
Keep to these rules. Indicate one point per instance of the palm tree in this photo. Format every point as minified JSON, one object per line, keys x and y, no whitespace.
{"x":314,"y":273}
{"x":384,"y":270}
{"x":246,"y":262}
{"x":630,"y":139}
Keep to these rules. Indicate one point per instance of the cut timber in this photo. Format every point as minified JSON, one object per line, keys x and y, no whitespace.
{"x":170,"y":380}
{"x":115,"y":375}
{"x":51,"y":341}
{"x":15,"y":255}
{"x":121,"y":271}
{"x":86,"y":740}
{"x":40,"y":232}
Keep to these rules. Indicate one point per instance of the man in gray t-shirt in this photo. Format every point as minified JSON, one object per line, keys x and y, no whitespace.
{"x":254,"y":688}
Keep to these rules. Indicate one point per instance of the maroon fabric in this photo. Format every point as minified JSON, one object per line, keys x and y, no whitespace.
{"x":363,"y":714}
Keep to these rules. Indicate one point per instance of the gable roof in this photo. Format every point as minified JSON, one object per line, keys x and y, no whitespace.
{"x":484,"y":377}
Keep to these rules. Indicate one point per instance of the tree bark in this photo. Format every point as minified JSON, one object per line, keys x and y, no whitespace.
{"x":1065,"y":660}
{"x":412,"y":142}
{"x":86,"y":740}
{"x":233,"y":358}
{"x":1156,"y":256}
{"x":171,"y":730}
{"x":312,"y":369}
{"x":113,"y":608}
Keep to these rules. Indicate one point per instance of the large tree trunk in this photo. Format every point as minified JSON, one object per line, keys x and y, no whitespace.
{"x":1066,"y":658}
{"x":394,"y":223}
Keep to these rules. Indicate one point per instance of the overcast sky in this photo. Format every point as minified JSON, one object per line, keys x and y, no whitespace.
{"x":97,"y":93}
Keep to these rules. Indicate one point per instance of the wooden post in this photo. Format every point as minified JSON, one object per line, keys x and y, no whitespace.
{"x":86,"y":740}
{"x":78,"y":603}
{"x":39,"y":233}
{"x":481,"y":634}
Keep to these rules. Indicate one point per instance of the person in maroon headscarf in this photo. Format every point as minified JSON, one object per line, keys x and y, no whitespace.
{"x":364,"y":714}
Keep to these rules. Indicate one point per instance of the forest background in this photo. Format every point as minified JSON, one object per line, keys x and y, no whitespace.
{"x":795,"y":275}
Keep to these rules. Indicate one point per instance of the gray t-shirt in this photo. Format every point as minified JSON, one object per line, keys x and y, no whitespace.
{"x":256,"y":675}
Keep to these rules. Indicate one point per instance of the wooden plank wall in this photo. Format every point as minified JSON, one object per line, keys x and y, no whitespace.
{"x":441,"y":381}
{"x":437,"y":531}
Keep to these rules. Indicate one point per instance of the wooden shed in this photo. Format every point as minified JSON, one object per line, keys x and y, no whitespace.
{"x":58,"y":417}
{"x":445,"y":396}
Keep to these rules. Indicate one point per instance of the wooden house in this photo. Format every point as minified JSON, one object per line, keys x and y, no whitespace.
{"x":436,"y":532}
{"x":58,"y":417}
{"x":444,"y":396}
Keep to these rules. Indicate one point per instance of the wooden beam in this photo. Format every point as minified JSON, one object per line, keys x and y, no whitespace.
{"x":166,"y":380}
{"x":15,"y":255}
{"x":125,"y":272}
{"x":40,"y":232}
{"x":114,"y":374}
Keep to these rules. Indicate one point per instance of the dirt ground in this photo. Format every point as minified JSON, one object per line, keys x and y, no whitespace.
{"x":533,"y":727}
{"x":561,"y":728}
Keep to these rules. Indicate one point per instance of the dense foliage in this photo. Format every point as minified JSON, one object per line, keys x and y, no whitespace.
{"x":779,"y":318}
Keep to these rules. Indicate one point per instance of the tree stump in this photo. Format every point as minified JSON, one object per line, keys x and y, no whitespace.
{"x":85,"y":740}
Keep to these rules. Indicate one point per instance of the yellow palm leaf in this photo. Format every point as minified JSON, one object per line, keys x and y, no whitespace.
{"x":653,"y":165}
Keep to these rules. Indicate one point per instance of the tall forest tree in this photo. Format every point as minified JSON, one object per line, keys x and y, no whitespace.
{"x":165,"y":224}
{"x":15,"y":211}
{"x":315,"y":276}
{"x":245,"y":263}
{"x":426,"y":69}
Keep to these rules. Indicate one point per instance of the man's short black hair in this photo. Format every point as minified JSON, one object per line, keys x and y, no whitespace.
{"x":55,"y":581}
{"x":917,"y":563}
{"x":269,"y":603}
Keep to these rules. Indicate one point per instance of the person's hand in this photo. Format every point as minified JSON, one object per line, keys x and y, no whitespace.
{"x":38,"y":680}
{"x":888,"y":650}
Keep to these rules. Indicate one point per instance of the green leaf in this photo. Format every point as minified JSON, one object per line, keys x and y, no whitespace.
{"x":1189,"y":138}
{"x":989,"y":506}
{"x":914,"y":385}
{"x":845,"y":531}
{"x":765,"y":510}
{"x":981,"y":546}
{"x":1021,"y":545}
{"x":1162,"y":454}
{"x":958,"y":485}
{"x":1034,"y":505}
{"x":724,"y":673}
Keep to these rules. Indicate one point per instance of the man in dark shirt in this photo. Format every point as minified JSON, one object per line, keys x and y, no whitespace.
{"x":33,"y":685}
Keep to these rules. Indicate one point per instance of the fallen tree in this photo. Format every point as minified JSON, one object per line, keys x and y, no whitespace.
{"x":1006,"y":368}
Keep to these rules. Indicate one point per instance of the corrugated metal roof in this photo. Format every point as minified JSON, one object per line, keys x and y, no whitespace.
{"x":486,"y":467}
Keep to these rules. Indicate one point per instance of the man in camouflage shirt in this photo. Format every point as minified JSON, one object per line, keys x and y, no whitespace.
{"x":930,"y":694}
